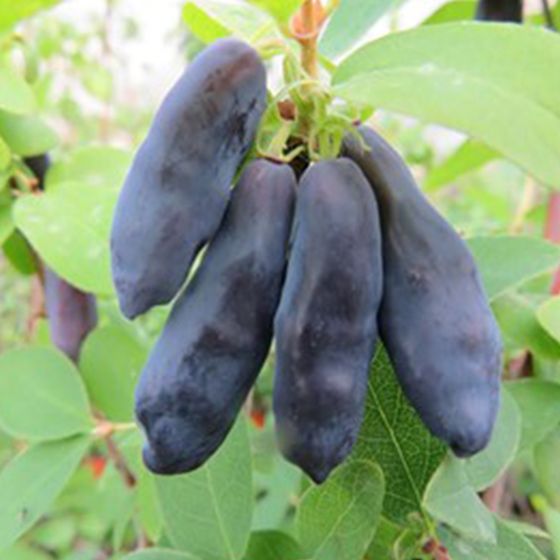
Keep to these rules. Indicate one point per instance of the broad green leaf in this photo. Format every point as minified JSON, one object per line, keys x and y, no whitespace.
{"x":539,"y":404}
{"x":505,"y":262}
{"x":272,"y":545}
{"x":95,"y":166}
{"x":212,"y":19}
{"x":280,"y":10}
{"x":393,"y":436}
{"x":276,"y":488}
{"x":337,"y":520}
{"x":510,"y":545}
{"x":487,"y":466}
{"x":11,"y":12}
{"x":455,"y":10}
{"x":549,"y":317}
{"x":208,"y":512}
{"x":31,"y":482}
{"x":349,"y":23}
{"x":518,"y":320}
{"x":469,"y":156}
{"x":526,"y":529}
{"x":19,"y":253}
{"x":56,"y":404}
{"x":431,"y":73}
{"x":69,"y":227}
{"x":22,"y":552}
{"x":110,"y":361}
{"x":451,"y":499}
{"x":26,"y":135}
{"x":16,"y":95}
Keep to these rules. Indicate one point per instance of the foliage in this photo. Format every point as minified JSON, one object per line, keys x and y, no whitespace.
{"x":72,"y":485}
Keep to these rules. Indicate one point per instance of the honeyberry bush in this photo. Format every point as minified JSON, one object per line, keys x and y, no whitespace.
{"x":72,"y":485}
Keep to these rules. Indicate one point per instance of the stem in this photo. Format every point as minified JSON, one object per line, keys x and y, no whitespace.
{"x":309,"y":39}
{"x":548,"y":15}
{"x":120,"y":463}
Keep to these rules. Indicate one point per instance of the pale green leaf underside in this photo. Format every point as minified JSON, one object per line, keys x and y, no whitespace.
{"x":505,"y":96}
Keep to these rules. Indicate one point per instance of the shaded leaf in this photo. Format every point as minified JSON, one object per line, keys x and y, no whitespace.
{"x":517,"y":318}
{"x":208,"y":512}
{"x":486,"y":467}
{"x":272,"y":545}
{"x":469,"y":156}
{"x":539,"y":404}
{"x":337,"y":520}
{"x":31,"y":482}
{"x":510,"y":545}
{"x":393,"y":436}
{"x":453,"y":88}
{"x":451,"y":499}
{"x":56,"y":404}
{"x":548,"y":315}
{"x":110,"y":361}
{"x":505,"y":262}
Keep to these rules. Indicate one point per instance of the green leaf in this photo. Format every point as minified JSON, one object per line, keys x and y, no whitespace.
{"x":69,"y":226}
{"x":337,"y":520}
{"x":545,"y":466}
{"x":487,"y":466}
{"x":455,"y":10}
{"x":208,"y":512}
{"x":19,"y":253}
{"x":275,"y":488}
{"x":510,"y":545}
{"x":505,"y":262}
{"x":383,"y":543}
{"x":280,"y":10}
{"x":6,"y":221}
{"x":393,"y":436}
{"x":27,"y":135}
{"x":548,"y":315}
{"x":99,"y":167}
{"x":11,"y":12}
{"x":16,"y":95}
{"x":451,"y":499}
{"x":539,"y":404}
{"x":110,"y":362}
{"x":22,"y":552}
{"x":272,"y":545}
{"x":212,"y":19}
{"x":148,"y":506}
{"x":430,"y":73}
{"x":552,"y":522}
{"x":469,"y":156}
{"x":56,"y":404}
{"x":349,"y":23}
{"x":159,"y":554}
{"x":518,"y":320}
{"x":31,"y":482}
